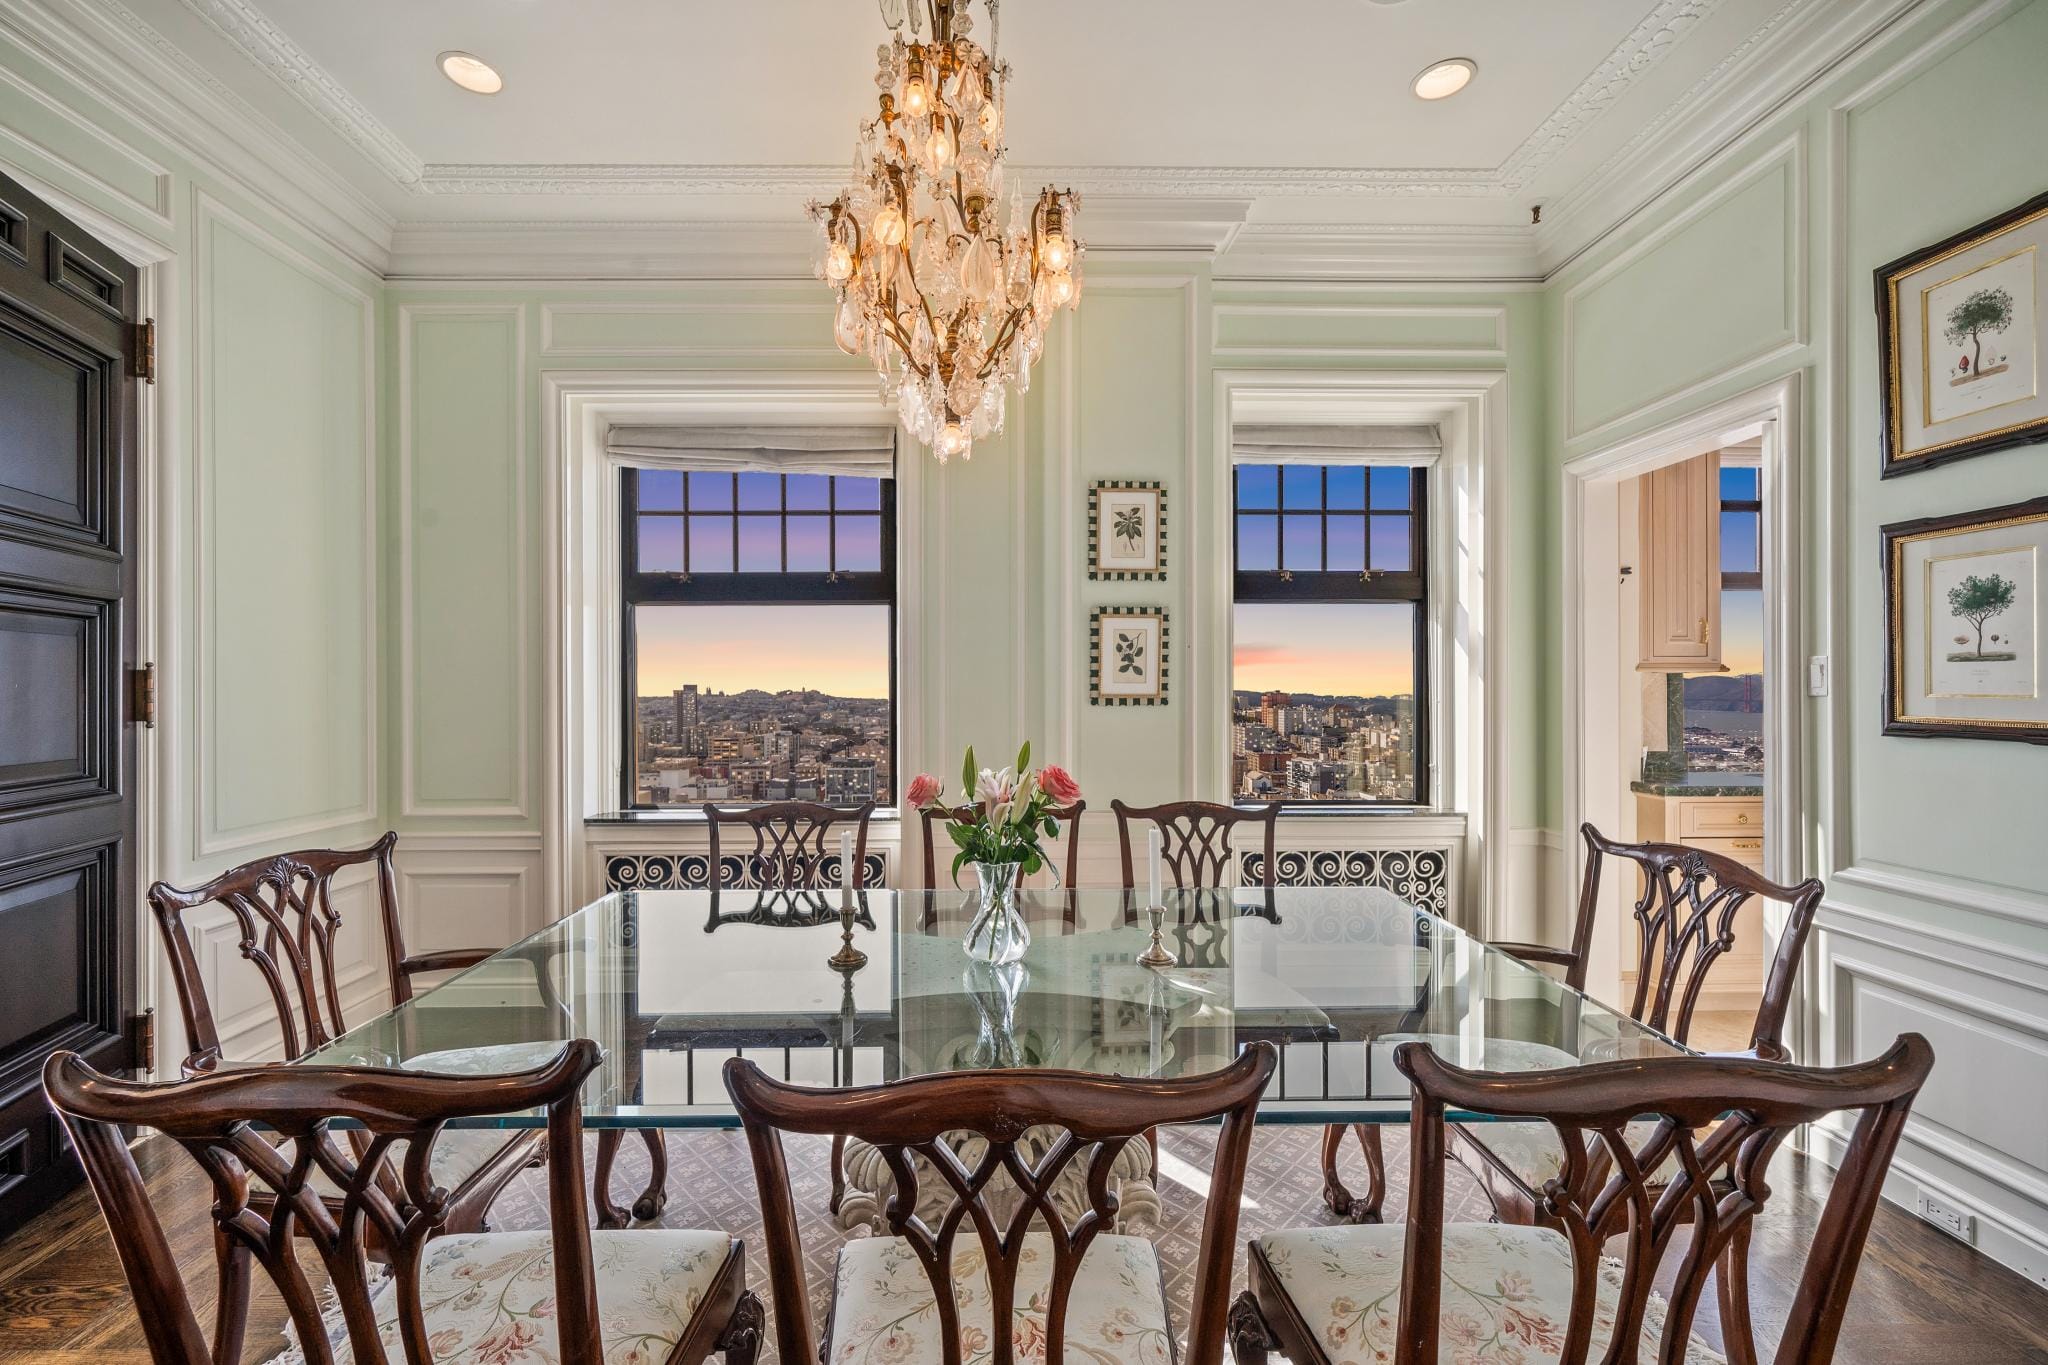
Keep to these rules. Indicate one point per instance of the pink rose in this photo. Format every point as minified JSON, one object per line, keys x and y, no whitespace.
{"x":1059,"y":784}
{"x":924,"y":789}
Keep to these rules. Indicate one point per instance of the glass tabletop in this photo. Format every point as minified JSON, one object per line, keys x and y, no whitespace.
{"x":671,"y":983}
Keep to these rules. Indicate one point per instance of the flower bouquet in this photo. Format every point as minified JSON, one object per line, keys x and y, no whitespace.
{"x":999,"y":832}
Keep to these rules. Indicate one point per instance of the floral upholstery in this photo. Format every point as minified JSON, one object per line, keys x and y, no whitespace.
{"x":1532,"y":1154}
{"x":1507,"y":1294}
{"x":884,"y":1311}
{"x":489,"y":1299}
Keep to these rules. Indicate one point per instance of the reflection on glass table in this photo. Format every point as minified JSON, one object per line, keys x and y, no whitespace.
{"x":671,"y":983}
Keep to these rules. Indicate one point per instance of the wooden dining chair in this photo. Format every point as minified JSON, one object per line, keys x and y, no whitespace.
{"x":1070,"y":824}
{"x":784,"y":845}
{"x":1019,"y":1162}
{"x":286,"y":923}
{"x":1685,"y":920}
{"x":785,"y":851}
{"x":1431,"y":1291}
{"x":1196,"y":844}
{"x":562,"y":1294}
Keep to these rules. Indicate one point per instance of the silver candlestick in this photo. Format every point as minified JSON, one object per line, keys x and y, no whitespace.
{"x":1158,"y":955}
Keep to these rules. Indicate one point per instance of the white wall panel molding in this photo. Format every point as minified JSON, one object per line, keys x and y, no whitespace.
{"x":1975,"y":1146}
{"x":66,"y":153}
{"x":518,"y":552}
{"x":210,"y":839}
{"x":658,"y":330}
{"x":1457,"y":331}
{"x":1786,"y":159}
{"x":2018,"y":904}
{"x":118,"y":59}
{"x":476,"y":899}
{"x":1415,"y":252}
{"x":1798,"y":47}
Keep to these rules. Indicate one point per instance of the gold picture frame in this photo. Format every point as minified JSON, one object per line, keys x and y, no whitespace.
{"x":1963,"y":342}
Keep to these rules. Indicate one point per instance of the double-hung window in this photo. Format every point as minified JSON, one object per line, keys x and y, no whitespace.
{"x":1724,"y":710}
{"x":758,"y":632}
{"x":1331,"y":626}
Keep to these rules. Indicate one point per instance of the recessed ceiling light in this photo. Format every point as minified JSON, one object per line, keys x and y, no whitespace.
{"x":472,"y":73}
{"x":1441,"y":80}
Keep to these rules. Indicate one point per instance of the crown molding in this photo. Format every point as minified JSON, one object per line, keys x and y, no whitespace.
{"x":1646,"y":45}
{"x":1420,"y":252}
{"x":272,"y":51}
{"x":1798,"y":48}
{"x":265,"y":44}
{"x":112,"y":54}
{"x":596,"y":250}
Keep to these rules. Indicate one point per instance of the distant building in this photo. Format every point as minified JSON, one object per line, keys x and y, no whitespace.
{"x":850,"y":783}
{"x":689,"y":711}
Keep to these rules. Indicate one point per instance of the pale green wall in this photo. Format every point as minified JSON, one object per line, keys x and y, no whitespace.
{"x":1128,"y":379}
{"x":1732,"y":281}
{"x":266,"y":458}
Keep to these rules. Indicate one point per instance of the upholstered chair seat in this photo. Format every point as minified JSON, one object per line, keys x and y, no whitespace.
{"x":883,"y":1306}
{"x":489,"y":1298}
{"x":1507,"y":1293}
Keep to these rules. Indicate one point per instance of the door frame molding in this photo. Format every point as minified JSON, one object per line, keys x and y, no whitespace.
{"x":1777,"y":407}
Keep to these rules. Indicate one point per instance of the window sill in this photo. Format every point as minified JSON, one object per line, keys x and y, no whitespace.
{"x":690,"y":818}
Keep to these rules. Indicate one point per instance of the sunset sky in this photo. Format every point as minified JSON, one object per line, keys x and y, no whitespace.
{"x":1742,"y":631}
{"x":839,"y":650}
{"x":1352,"y":649}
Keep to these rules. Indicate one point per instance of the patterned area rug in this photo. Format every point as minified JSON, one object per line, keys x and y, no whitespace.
{"x":711,"y":1185}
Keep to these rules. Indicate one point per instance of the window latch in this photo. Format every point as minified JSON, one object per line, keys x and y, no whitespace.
{"x":1287,"y":575}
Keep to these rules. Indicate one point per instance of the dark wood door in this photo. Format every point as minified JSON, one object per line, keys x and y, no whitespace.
{"x":67,"y":749}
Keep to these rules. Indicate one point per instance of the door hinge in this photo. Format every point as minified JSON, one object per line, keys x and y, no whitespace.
{"x":142,"y":695}
{"x":145,"y":350}
{"x":142,"y":1034}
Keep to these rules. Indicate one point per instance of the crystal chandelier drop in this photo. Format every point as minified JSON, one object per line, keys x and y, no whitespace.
{"x":947,"y":296}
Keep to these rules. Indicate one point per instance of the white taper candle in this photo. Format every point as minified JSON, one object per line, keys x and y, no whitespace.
{"x":1155,"y":851}
{"x":846,"y":860}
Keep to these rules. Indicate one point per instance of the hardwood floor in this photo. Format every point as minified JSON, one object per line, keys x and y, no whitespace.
{"x":1920,"y":1296}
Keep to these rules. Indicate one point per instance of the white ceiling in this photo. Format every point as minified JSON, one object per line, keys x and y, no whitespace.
{"x":679,"y":109}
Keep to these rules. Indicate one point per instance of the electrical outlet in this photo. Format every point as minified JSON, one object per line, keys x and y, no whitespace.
{"x":1951,"y":1220}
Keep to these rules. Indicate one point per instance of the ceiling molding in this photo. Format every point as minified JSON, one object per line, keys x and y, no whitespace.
{"x":1646,"y":45}
{"x":1801,"y":46}
{"x":273,"y":52}
{"x":265,"y":44}
{"x":110,"y":52}
{"x":1413,"y":251}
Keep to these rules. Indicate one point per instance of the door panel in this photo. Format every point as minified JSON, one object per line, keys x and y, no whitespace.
{"x":67,"y":803}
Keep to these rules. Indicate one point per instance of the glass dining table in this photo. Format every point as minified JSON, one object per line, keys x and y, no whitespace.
{"x":672,"y":983}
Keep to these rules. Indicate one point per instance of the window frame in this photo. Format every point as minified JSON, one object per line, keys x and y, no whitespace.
{"x":1281,"y":584}
{"x":847,"y":587}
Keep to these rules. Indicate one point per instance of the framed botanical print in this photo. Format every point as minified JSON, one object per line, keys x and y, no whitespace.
{"x":1127,"y":656}
{"x":1962,"y":326}
{"x":1966,"y":606}
{"x":1126,"y":530}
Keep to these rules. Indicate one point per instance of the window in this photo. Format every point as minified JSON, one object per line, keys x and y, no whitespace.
{"x":1329,"y":667}
{"x":1724,"y":712}
{"x":759,"y":637}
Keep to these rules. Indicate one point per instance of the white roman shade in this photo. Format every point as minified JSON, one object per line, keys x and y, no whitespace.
{"x":1272,"y":443}
{"x":859,"y":452}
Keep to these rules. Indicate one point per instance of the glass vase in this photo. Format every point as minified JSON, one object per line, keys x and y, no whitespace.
{"x":998,"y":933}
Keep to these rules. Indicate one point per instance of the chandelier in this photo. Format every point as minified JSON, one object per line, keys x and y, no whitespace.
{"x":946,"y":295}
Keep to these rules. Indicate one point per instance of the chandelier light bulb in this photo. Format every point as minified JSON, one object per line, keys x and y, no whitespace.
{"x":1060,"y":288}
{"x":889,"y":228}
{"x":939,"y":152}
{"x":917,"y":100}
{"x":952,"y":441}
{"x":1056,"y":252}
{"x":838,"y":263}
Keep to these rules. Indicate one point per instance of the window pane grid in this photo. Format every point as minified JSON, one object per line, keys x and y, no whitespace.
{"x":712,"y":523}
{"x":773,"y":596}
{"x":1330,"y":680}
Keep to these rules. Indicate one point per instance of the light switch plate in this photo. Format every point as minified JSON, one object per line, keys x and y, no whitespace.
{"x":1817,"y":676}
